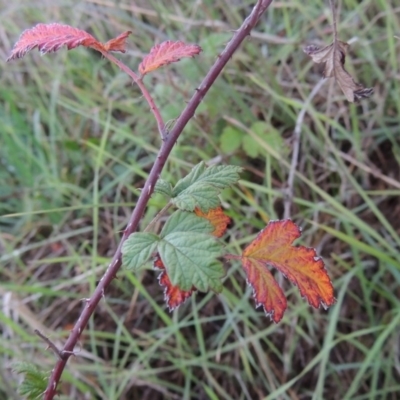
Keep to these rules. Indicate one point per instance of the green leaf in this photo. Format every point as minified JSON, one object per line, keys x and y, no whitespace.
{"x":190,"y":260}
{"x":186,"y":222}
{"x":190,"y":178}
{"x":218,"y":176}
{"x":269,"y":135}
{"x":251,"y":147}
{"x":163,"y":187}
{"x":138,"y":248}
{"x":34,"y":383}
{"x":231,"y":139}
{"x":198,"y":195}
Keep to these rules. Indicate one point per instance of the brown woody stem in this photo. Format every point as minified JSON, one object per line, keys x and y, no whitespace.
{"x":166,"y":147}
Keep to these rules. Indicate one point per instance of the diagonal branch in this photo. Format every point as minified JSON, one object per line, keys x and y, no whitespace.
{"x":147,"y":191}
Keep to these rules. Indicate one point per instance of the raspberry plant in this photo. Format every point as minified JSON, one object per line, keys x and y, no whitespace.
{"x":188,"y":248}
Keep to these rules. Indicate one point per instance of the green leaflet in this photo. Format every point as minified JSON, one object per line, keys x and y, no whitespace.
{"x":190,"y":260}
{"x":138,"y":248}
{"x":201,"y":187}
{"x":34,"y":383}
{"x":217,"y":176}
{"x":181,"y":221}
{"x":198,"y":195}
{"x":163,"y":187}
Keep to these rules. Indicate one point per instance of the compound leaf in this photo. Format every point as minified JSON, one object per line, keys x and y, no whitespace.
{"x":138,"y":249}
{"x":188,"y":222}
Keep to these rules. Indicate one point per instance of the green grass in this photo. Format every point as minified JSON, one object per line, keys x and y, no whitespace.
{"x":77,"y":142}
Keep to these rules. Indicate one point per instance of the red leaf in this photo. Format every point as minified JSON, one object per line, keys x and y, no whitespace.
{"x":299,"y":264}
{"x":173,"y":296}
{"x":50,"y":37}
{"x":218,"y":219}
{"x":118,"y":43}
{"x":166,"y":53}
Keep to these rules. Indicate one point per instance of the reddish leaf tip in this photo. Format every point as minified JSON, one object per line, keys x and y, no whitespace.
{"x":173,"y":295}
{"x":218,"y":219}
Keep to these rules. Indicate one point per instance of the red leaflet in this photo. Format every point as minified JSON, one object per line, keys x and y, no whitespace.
{"x":273,"y":246}
{"x":51,"y":37}
{"x":166,"y":53}
{"x":118,"y":43}
{"x":266,"y":290}
{"x":173,"y":296}
{"x":218,"y":219}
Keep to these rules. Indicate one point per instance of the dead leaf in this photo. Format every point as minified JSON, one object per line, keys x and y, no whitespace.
{"x":334,"y":56}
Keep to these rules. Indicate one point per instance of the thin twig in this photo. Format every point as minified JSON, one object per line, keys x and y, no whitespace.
{"x":154,"y":109}
{"x":296,"y":149}
{"x":334,"y":21}
{"x":166,"y":147}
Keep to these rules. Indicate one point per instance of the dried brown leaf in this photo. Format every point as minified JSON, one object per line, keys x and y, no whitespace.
{"x":334,"y":56}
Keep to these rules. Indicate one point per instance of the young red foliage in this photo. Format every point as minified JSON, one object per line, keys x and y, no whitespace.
{"x":273,"y":246}
{"x":51,"y":37}
{"x":166,"y":53}
{"x":118,"y":43}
